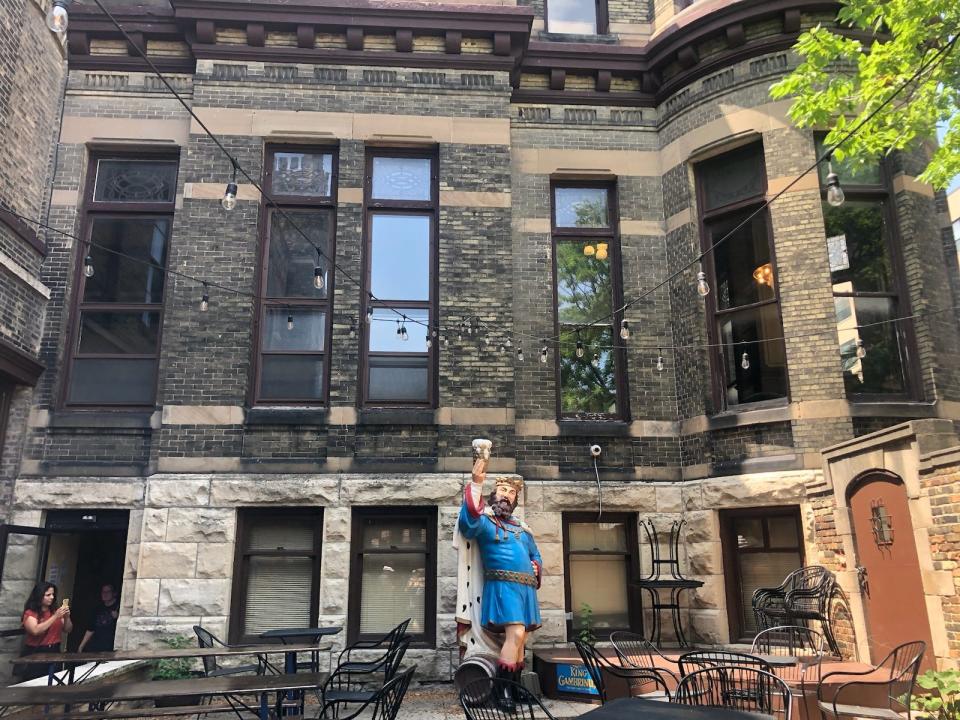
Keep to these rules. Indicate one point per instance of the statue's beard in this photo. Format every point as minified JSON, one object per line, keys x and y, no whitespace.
{"x":502,"y":508}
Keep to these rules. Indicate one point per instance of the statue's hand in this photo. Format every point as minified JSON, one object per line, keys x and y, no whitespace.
{"x":480,"y":470}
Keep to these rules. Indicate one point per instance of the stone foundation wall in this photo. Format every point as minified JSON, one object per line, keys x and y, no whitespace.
{"x":942,"y":485}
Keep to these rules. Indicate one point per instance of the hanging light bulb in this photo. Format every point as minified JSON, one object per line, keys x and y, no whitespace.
{"x":520,"y":354}
{"x":318,"y":279}
{"x":229,"y":200}
{"x":460,"y":331}
{"x":602,"y":251}
{"x":205,"y":299}
{"x":580,"y":350}
{"x":624,"y":330}
{"x":434,"y":332}
{"x":398,"y":328}
{"x":486,"y":340}
{"x":659,"y":363}
{"x":353,"y":330}
{"x":835,"y":194}
{"x":445,"y":340}
{"x":861,"y":349}
{"x":57,"y":18}
{"x":589,"y":250}
{"x":543,"y":354}
{"x":290,"y":321}
{"x":502,"y":349}
{"x":745,"y":361}
{"x":404,"y":335}
{"x":596,"y":360}
{"x":88,"y":270}
{"x":508,"y":342}
{"x":470,"y":327}
{"x":703,"y":289}
{"x":429,"y":342}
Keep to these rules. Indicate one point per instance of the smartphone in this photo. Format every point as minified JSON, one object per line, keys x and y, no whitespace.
{"x":65,"y":603}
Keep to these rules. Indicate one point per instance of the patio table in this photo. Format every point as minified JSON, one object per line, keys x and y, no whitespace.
{"x":288,"y":636}
{"x":634,"y":708}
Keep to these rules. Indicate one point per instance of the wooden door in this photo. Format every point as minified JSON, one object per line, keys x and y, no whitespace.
{"x":889,"y":570}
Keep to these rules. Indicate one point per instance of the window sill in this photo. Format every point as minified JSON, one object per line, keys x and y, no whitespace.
{"x":594,"y":428}
{"x":397,"y":416}
{"x":874,"y":407}
{"x":592,"y":38}
{"x":114,"y":419}
{"x":753,"y":414}
{"x":287,"y":416}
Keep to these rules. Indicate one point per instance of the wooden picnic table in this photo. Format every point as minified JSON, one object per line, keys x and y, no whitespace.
{"x":70,"y":695}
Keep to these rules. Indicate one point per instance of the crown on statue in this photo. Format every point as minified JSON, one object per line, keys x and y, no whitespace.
{"x":510,"y":481}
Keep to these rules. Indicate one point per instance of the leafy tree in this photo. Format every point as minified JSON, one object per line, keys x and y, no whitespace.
{"x":849,"y":72}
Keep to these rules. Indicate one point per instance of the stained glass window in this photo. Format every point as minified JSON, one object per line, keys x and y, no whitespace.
{"x":401,"y":178}
{"x":135,"y":181}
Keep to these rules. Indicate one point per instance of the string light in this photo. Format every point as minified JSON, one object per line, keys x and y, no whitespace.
{"x":580,"y":350}
{"x":703,"y":289}
{"x":353,"y":330}
{"x":290,"y":321}
{"x":445,"y":340}
{"x":88,"y":269}
{"x":229,"y":201}
{"x":745,"y":361}
{"x":404,"y":335}
{"x":369,"y":314}
{"x":624,"y":330}
{"x":57,"y":18}
{"x":508,"y":342}
{"x":520,"y":353}
{"x":596,"y":360}
{"x":660,"y":362}
{"x":543,"y":354}
{"x":205,"y":299}
{"x":429,"y":342}
{"x":318,"y":273}
{"x":861,"y":349}
{"x":835,"y":195}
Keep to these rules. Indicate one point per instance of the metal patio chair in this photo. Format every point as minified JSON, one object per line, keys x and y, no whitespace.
{"x":634,"y":650}
{"x":382,"y":704}
{"x":387,"y":644}
{"x":806,"y":645}
{"x":360,"y":686}
{"x":736,"y":687}
{"x":699,"y":659}
{"x":637,"y":679}
{"x":806,"y":594}
{"x":212,"y":668}
{"x":479,"y":700}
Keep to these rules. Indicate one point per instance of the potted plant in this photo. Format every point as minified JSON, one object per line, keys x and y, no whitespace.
{"x":175,"y":669}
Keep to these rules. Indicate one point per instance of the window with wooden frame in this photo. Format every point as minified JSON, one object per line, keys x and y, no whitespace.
{"x":276,"y":574}
{"x":748,"y":357}
{"x":296,"y":275}
{"x":867,"y":277}
{"x":576,"y":17}
{"x":600,"y":564}
{"x":590,"y":362}
{"x":393,"y":573}
{"x":761,"y":546}
{"x":120,"y":280}
{"x":401,"y":199}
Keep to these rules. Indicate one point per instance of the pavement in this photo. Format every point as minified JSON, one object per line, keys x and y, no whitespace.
{"x":438,"y":701}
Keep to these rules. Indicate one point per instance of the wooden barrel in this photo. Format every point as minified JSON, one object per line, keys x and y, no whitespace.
{"x":475,"y":667}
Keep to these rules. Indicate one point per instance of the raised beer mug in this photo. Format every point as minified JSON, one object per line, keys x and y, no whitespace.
{"x":481,"y":449}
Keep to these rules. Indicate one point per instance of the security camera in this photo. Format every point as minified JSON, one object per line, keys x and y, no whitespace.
{"x":595,"y":451}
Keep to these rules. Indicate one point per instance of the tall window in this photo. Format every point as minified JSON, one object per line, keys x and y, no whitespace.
{"x":401,"y":199}
{"x":866,"y":289}
{"x":580,"y":17}
{"x":276,"y":578}
{"x":761,"y":547}
{"x":295,"y":312}
{"x":591,"y":362}
{"x":600,"y":563}
{"x":749,"y":363}
{"x":393,"y":572}
{"x":115,"y":343}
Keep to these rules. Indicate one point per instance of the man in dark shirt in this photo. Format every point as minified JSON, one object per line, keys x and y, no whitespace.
{"x":103,"y":623}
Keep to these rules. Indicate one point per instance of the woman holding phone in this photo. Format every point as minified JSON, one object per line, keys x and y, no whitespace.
{"x":43,"y":625}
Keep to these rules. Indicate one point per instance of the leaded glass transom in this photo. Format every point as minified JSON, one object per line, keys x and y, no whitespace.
{"x":136,"y":181}
{"x":401,"y":178}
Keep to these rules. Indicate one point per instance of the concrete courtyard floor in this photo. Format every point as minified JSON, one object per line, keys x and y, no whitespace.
{"x":438,"y":701}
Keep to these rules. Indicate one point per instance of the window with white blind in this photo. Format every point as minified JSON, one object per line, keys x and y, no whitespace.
{"x":761,"y":547}
{"x":393,"y":572}
{"x":277,"y":571}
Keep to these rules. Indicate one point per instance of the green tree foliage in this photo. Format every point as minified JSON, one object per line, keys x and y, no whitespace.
{"x":848,"y":72}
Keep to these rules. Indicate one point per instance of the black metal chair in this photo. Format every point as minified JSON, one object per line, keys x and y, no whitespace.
{"x":806,"y":594}
{"x":479,"y":700}
{"x":900,"y":668}
{"x":636,"y":678}
{"x":388,"y":643}
{"x":634,"y":650}
{"x":212,"y":668}
{"x":355,"y":685}
{"x":382,"y":704}
{"x":699,"y":659}
{"x":806,"y":645}
{"x":736,"y":687}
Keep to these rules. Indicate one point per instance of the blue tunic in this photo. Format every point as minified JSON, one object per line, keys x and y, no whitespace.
{"x":504,"y":602}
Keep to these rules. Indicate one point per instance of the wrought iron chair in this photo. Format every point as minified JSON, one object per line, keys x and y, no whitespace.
{"x":806,"y":594}
{"x":806,"y":645}
{"x":634,"y":650}
{"x":900,"y":668}
{"x":388,"y":643}
{"x":212,"y":668}
{"x":636,"y":678}
{"x":699,"y":659}
{"x":355,"y":685}
{"x":736,"y":687}
{"x":382,"y":704}
{"x":479,"y":700}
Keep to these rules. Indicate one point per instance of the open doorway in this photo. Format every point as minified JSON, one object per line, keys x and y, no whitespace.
{"x":77,"y":550}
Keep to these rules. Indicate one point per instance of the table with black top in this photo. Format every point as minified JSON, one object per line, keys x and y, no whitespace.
{"x":637,"y":708}
{"x":305,"y":636}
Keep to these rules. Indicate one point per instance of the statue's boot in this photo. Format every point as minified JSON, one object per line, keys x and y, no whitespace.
{"x":504,"y":693}
{"x":518,"y":693}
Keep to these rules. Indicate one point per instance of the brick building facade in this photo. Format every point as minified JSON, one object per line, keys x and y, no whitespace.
{"x":519,"y":158}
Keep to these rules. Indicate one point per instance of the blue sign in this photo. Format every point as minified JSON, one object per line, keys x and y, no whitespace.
{"x":575,"y":679}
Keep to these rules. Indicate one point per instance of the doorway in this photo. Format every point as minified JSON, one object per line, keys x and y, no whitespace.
{"x":888,"y":567}
{"x":77,"y":550}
